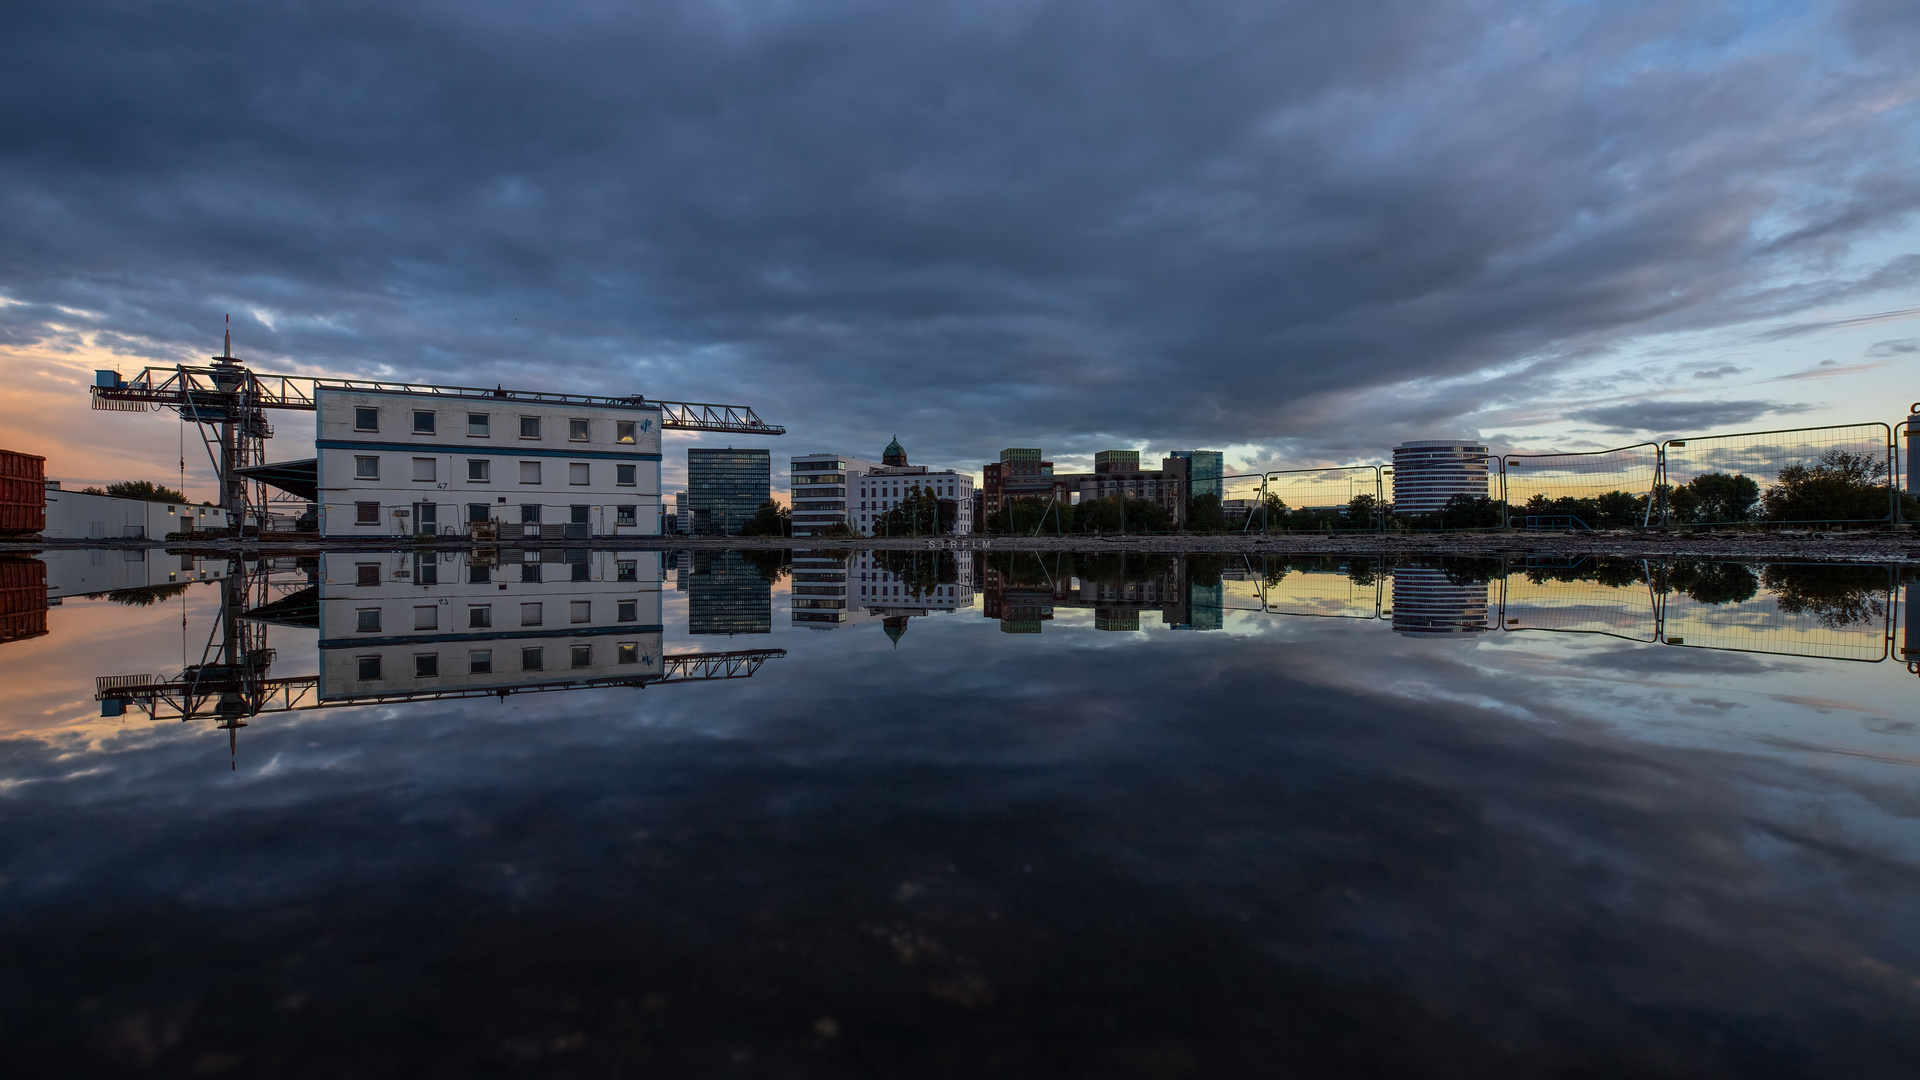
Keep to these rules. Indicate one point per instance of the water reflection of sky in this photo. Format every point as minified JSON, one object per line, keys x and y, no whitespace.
{"x":1301,"y":844}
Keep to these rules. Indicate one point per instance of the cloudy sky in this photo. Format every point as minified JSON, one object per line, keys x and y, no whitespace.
{"x":1298,"y":232}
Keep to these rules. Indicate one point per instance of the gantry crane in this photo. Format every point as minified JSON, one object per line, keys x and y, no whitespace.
{"x":228,"y":402}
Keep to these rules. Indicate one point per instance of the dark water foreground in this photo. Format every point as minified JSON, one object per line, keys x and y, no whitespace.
{"x":1201,"y":817}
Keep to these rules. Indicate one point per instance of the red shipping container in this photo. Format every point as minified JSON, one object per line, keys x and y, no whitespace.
{"x":23,"y":493}
{"x":23,"y":598}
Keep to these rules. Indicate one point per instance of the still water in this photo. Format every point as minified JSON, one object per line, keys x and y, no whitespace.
{"x":740,"y":814}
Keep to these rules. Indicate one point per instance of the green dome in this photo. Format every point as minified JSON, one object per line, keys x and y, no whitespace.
{"x":894,"y":454}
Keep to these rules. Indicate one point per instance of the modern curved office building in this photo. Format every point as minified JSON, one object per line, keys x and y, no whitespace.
{"x":1426,"y":473}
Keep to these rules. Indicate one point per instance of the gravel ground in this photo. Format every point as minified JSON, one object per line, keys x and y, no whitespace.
{"x":1853,"y":546}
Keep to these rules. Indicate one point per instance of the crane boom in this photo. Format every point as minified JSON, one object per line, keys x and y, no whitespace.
{"x":215,"y":393}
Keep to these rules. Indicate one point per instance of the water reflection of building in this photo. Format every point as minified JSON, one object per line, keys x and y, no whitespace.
{"x":1023,"y":595}
{"x":23,"y":597}
{"x":819,"y":589}
{"x":726,"y":594}
{"x":397,"y":623}
{"x":85,"y":571}
{"x":1427,"y":601}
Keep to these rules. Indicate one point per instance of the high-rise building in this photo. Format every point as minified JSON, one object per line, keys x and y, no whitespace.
{"x":1429,"y":472}
{"x":725,"y":488}
{"x":1205,"y":468}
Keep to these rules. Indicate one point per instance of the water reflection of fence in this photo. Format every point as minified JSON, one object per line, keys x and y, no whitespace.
{"x":1641,"y":600}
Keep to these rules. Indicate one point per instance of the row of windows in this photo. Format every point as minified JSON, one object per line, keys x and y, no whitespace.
{"x":480,"y":661}
{"x":881,"y":590}
{"x":426,"y":470}
{"x":426,"y":514}
{"x":427,"y":572}
{"x":480,"y":616}
{"x":480,"y":425}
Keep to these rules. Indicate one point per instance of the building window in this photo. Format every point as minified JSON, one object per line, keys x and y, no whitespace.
{"x":581,"y":611}
{"x":530,"y":659}
{"x":478,"y":426}
{"x":529,"y":472}
{"x":626,"y":515}
{"x":480,"y":616}
{"x":530,"y":613}
{"x":577,"y":431}
{"x":582,"y":656}
{"x":366,"y":419}
{"x":529,"y":513}
{"x":366,"y":468}
{"x":529,"y":427}
{"x":366,"y":513}
{"x":629,"y":652}
{"x":479,"y":575}
{"x":367,"y":620}
{"x":480,"y":662}
{"x":423,"y":470}
{"x":422,"y":422}
{"x":426,"y":665}
{"x":623,"y":431}
{"x":479,"y":471}
{"x":426,"y":617}
{"x":626,"y":570}
{"x":578,"y":473}
{"x":530,"y":572}
{"x":629,"y":611}
{"x":625,"y":475}
{"x":366,"y":573}
{"x":369,"y":668}
{"x":425,"y":570}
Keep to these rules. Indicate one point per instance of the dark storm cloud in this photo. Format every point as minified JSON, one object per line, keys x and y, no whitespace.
{"x":1680,"y":416}
{"x":973,"y":224}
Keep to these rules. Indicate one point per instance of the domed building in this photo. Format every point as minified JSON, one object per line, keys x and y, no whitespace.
{"x":894,"y":454}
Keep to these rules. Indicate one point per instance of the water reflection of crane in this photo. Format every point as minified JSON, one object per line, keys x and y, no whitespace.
{"x":232,"y":683}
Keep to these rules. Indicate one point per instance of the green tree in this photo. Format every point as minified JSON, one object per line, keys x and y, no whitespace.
{"x":1121,"y":513}
{"x":1840,"y":486}
{"x":920,"y":512}
{"x":1362,"y":512}
{"x":1714,"y":498}
{"x":1204,"y":514}
{"x":144,"y":490}
{"x":771,"y":519}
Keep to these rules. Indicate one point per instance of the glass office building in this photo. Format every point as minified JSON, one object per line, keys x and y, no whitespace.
{"x":725,"y":488}
{"x":727,"y":594}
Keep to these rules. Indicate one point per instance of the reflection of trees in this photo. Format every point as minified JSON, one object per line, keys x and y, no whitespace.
{"x":145,"y":596}
{"x":1711,"y":582}
{"x":1838,"y":596}
{"x":920,"y":572}
{"x":773,"y":564}
{"x":1612,"y":573}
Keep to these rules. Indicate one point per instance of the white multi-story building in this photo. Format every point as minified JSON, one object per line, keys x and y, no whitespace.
{"x":424,"y":622}
{"x":1427,"y":473}
{"x":529,"y":465}
{"x":880,"y":488}
{"x":819,"y":486}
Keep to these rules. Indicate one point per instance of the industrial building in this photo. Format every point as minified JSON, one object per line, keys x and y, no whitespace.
{"x":405,"y":459}
{"x":82,"y":515}
{"x":1427,"y":473}
{"x":539,"y":466}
